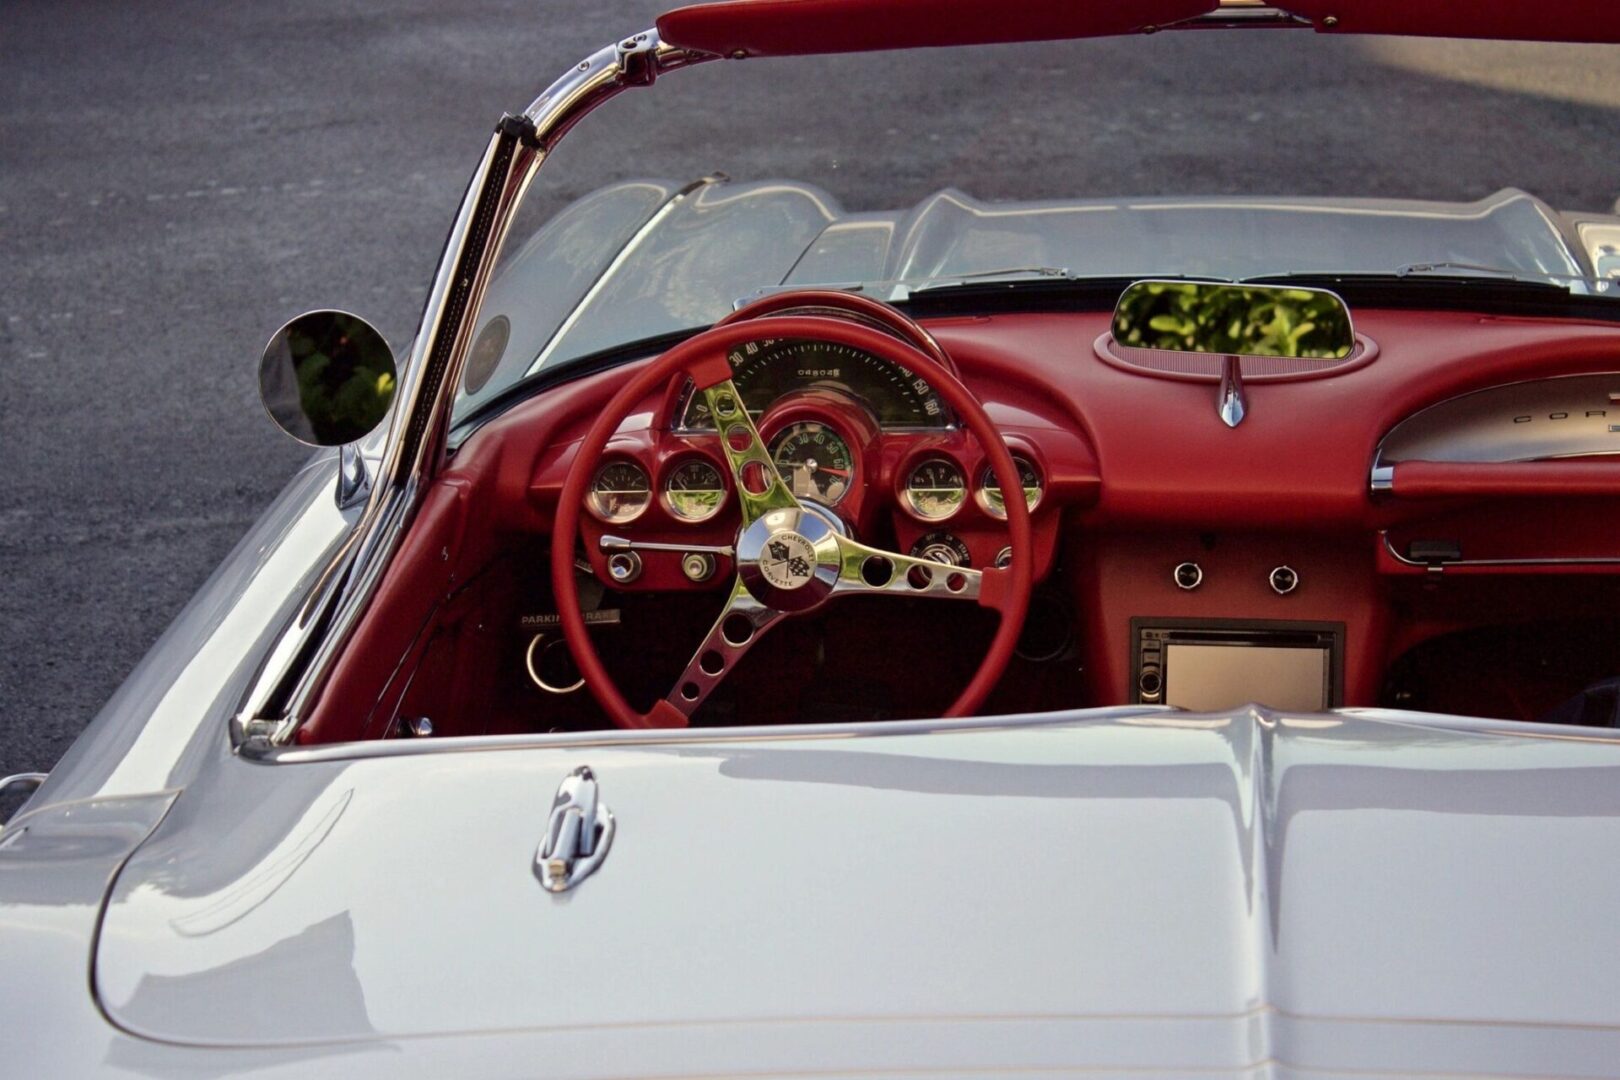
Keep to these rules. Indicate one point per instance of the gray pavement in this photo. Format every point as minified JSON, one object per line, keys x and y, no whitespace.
{"x":176,"y":179}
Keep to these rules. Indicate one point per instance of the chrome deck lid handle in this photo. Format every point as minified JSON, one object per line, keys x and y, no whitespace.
{"x":578,"y":834}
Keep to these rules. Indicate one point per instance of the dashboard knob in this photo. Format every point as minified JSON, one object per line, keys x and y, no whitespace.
{"x":624,"y":567}
{"x":697,"y":565}
{"x":1188,"y":575}
{"x":942,"y":547}
{"x":1284,"y":580}
{"x":1150,"y":683}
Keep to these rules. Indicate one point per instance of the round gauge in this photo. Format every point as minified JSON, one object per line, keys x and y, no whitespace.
{"x":942,"y":547}
{"x":693,"y":490}
{"x":935,"y":489}
{"x":990,"y":488}
{"x":814,"y":460}
{"x":620,"y":491}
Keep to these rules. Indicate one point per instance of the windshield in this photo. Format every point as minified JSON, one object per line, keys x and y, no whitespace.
{"x":1225,"y":155}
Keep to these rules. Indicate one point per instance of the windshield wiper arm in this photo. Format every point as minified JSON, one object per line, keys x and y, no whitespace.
{"x":903,"y":289}
{"x":1538,"y":277}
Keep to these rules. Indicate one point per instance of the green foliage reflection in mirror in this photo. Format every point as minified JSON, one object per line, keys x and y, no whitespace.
{"x":327,"y":378}
{"x":1233,"y":320}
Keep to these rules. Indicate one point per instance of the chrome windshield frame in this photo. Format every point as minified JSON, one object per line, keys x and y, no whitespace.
{"x":296,"y":667}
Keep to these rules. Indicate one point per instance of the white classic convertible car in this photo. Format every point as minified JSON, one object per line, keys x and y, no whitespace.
{"x":650,"y":677}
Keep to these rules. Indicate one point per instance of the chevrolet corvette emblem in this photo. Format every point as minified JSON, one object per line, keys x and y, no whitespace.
{"x":788,"y":560}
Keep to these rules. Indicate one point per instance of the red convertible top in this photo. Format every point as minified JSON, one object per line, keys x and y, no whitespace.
{"x":806,"y":27}
{"x":1521,"y":20}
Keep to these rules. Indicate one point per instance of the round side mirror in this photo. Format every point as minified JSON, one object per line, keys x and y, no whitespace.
{"x":327,"y":378}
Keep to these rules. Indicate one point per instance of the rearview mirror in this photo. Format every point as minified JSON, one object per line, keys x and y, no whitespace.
{"x":327,"y":378}
{"x":1233,"y":320}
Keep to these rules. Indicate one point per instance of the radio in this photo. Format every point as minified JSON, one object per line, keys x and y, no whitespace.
{"x":1212,"y":665}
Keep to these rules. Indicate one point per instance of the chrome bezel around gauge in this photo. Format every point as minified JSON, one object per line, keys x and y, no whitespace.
{"x":911,"y":493}
{"x":987,"y":483}
{"x":667,"y":494}
{"x":594,"y":501}
{"x":835,"y":437}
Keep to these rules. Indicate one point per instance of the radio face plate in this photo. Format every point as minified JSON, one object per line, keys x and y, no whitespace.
{"x":1211,"y":665}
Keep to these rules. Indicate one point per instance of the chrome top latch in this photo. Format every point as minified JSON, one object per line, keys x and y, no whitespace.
{"x":577,"y":836}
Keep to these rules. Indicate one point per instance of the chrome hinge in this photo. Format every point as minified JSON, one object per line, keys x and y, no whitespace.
{"x":255,"y":735}
{"x":577,"y":836}
{"x":638,"y":59}
{"x":354,"y":477}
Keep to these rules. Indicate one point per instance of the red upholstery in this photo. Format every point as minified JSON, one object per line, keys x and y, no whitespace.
{"x":1530,"y":479}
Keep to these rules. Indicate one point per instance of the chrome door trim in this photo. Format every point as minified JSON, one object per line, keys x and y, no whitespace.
{"x":297,"y":666}
{"x":623,"y":738}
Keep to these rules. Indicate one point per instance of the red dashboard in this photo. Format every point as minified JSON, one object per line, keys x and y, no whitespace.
{"x":1138,"y":476}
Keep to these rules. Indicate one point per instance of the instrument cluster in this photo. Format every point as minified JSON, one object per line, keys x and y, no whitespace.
{"x":849,"y":433}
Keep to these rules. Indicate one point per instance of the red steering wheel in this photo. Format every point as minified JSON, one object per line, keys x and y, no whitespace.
{"x":789,"y":560}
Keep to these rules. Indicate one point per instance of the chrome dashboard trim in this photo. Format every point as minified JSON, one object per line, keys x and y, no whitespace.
{"x":1437,"y":567}
{"x":1544,"y":424}
{"x":534,"y":675}
{"x":1230,"y":402}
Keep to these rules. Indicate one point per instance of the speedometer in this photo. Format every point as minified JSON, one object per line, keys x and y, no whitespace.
{"x":766,"y":370}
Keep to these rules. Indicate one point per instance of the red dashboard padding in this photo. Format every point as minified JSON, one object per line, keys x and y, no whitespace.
{"x":807,"y":27}
{"x":1521,"y":20}
{"x":1546,"y":479}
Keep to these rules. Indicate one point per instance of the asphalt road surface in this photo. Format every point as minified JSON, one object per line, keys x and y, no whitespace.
{"x":177,"y":179}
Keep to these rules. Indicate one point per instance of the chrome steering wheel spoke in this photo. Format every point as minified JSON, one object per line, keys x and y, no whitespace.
{"x":869,"y":570}
{"x":743,"y":622}
{"x":760,"y":488}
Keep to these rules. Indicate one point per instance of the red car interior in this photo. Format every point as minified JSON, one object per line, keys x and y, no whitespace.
{"x":1139,"y":477}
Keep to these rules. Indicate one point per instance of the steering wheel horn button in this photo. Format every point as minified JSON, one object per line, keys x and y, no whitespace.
{"x":788,"y":560}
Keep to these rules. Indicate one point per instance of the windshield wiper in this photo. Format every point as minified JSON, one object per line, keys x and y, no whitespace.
{"x":906,"y":288}
{"x":1539,"y":277}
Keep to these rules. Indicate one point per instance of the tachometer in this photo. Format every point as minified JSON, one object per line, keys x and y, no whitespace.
{"x":989,"y":492}
{"x":935,"y":489}
{"x":814,"y":460}
{"x":693,"y":490}
{"x":620,"y":491}
{"x":766,"y":370}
